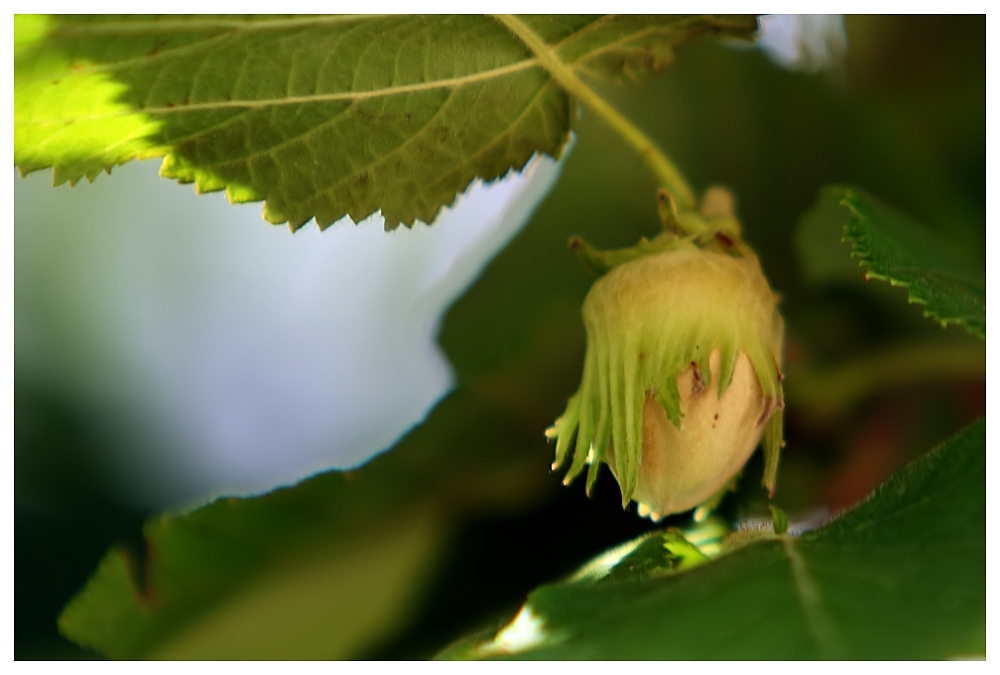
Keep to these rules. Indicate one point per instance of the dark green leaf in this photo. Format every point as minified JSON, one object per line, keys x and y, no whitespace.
{"x":900,"y":576}
{"x":892,"y":247}
{"x":319,"y":116}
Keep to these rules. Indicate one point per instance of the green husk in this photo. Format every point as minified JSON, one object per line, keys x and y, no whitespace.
{"x":661,"y":309}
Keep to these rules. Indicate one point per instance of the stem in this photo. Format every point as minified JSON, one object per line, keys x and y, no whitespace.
{"x":663,"y":168}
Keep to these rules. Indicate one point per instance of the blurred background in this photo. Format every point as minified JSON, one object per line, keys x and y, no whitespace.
{"x":170,"y":347}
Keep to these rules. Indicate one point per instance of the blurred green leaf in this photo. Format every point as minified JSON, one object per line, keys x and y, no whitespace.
{"x":257,"y":578}
{"x":900,"y":576}
{"x":320,"y":116}
{"x":892,"y":247}
{"x":324,"y":569}
{"x":195,"y":606}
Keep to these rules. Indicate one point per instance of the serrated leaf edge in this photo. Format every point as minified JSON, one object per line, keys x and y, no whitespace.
{"x":863,"y":255}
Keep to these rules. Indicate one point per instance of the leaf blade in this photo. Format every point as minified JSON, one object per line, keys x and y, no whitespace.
{"x":893,"y":248}
{"x":318,"y":116}
{"x":327,"y":568}
{"x":903,"y":575}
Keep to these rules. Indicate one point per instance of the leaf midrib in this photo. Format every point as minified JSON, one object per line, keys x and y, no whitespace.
{"x":450,"y":83}
{"x":829,"y":642}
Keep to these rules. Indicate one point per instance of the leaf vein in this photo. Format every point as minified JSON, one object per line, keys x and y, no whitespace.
{"x":446,"y":83}
{"x":506,"y":134}
{"x":583,"y":31}
{"x":825,"y":633}
{"x":383,"y":158}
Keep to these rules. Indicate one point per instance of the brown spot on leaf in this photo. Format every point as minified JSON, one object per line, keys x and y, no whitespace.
{"x":156,"y":48}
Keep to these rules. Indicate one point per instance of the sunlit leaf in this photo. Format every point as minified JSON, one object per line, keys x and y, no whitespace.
{"x":320,"y":116}
{"x":900,"y":576}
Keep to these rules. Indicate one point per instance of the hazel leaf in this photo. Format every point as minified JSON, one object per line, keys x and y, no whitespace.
{"x":892,"y":247}
{"x":319,"y":116}
{"x":900,"y":576}
{"x":328,"y":568}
